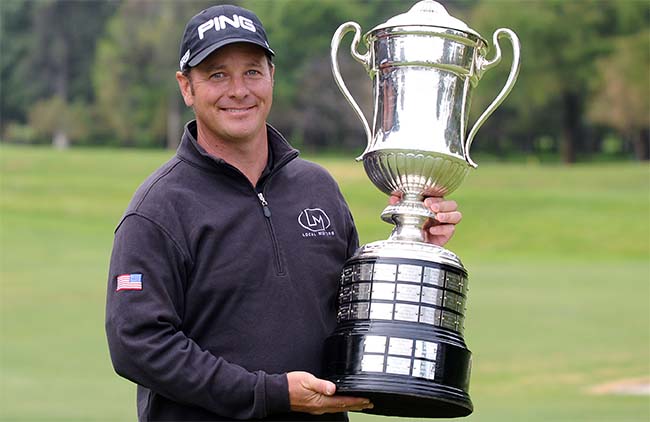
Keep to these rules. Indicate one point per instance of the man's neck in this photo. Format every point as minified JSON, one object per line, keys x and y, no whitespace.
{"x":250,"y":157}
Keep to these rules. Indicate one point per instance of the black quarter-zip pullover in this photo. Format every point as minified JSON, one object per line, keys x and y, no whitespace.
{"x":232,"y":285}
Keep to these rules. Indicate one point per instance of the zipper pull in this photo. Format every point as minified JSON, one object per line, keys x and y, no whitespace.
{"x":265,"y":205}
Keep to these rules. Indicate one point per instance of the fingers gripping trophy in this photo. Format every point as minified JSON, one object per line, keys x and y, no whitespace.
{"x":401,"y":304}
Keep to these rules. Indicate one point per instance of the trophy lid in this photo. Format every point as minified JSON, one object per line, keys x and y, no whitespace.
{"x":427,"y":13}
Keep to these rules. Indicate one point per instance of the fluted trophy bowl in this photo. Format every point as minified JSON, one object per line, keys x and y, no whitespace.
{"x":416,"y":175}
{"x":423,"y":173}
{"x":401,"y":301}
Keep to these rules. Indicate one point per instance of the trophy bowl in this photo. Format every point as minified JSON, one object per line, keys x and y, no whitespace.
{"x":416,"y":175}
{"x":425,"y":173}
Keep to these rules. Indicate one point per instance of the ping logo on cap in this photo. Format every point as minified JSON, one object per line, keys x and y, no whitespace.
{"x":185,"y":58}
{"x":220,"y":22}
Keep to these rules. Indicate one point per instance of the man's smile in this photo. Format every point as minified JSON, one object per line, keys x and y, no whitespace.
{"x":237,"y":110}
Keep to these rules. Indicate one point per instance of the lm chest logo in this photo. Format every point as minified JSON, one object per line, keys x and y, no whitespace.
{"x":316,"y":221}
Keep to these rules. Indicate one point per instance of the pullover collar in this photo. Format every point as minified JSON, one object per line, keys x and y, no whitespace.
{"x":189,"y":150}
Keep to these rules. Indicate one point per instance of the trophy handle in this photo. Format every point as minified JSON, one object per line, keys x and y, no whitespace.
{"x":487,"y":65}
{"x":364,"y":59}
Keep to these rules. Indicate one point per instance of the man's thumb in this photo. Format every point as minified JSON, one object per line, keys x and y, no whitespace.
{"x":323,"y":387}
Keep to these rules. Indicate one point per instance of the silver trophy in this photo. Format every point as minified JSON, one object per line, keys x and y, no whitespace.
{"x":401,"y":304}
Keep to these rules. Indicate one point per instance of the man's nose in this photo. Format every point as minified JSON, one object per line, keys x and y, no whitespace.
{"x":238,"y":87}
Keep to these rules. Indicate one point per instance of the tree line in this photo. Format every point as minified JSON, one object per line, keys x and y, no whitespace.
{"x":79,"y":72}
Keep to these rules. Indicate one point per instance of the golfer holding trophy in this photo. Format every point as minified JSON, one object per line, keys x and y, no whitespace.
{"x":401,"y":303}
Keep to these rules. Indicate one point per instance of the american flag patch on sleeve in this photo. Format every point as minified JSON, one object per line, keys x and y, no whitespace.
{"x":129,"y":282}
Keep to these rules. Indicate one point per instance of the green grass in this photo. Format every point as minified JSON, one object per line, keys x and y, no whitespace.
{"x":559,"y":261}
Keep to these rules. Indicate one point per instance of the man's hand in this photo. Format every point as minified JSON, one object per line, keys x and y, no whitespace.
{"x":309,"y":394}
{"x":439,"y":230}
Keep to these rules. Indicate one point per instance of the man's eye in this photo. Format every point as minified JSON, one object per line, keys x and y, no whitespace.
{"x":217,"y":75}
{"x":253,"y":72}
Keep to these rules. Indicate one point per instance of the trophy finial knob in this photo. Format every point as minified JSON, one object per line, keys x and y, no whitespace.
{"x":427,"y":13}
{"x":428,"y":6}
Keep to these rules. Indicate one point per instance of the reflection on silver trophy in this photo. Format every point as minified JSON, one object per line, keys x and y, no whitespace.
{"x":401,"y":304}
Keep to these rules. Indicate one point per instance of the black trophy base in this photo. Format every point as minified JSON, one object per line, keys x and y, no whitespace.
{"x":399,"y":338}
{"x":405,"y":398}
{"x":440,"y":395}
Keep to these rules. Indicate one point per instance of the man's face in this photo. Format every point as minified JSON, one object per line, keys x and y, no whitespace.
{"x":231,"y":92}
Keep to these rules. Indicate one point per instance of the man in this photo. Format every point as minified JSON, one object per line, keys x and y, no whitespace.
{"x":217,"y":305}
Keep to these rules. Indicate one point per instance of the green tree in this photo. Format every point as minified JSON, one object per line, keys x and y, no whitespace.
{"x":47,"y":48}
{"x":562,"y":42}
{"x":15,"y":44}
{"x":622,"y":97}
{"x":53,"y":116}
{"x":133,"y":74}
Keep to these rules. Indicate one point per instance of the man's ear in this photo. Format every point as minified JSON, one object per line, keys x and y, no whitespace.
{"x":185,"y":85}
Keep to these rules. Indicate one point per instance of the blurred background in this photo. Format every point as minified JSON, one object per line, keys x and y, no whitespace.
{"x":556,"y":228}
{"x":97,"y":73}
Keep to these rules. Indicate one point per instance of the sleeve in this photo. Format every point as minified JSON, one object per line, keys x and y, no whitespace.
{"x":145,"y":337}
{"x":353,"y":237}
{"x":351,"y":229}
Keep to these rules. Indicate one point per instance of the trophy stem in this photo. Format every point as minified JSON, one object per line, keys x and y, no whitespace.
{"x":409,"y":216}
